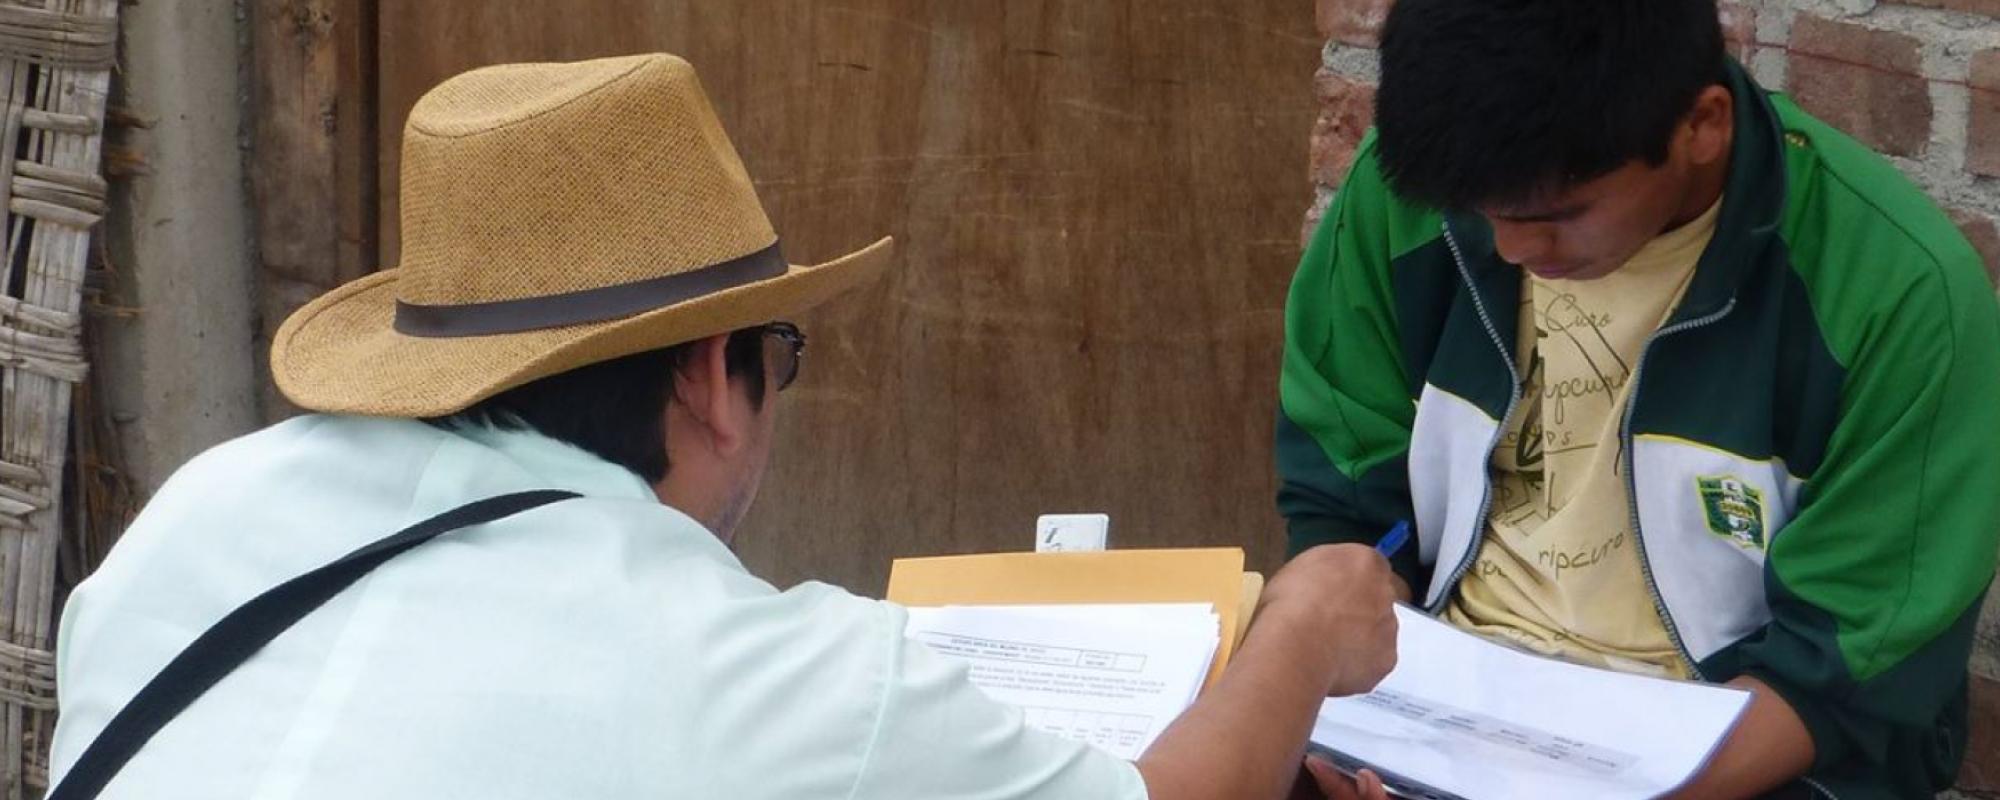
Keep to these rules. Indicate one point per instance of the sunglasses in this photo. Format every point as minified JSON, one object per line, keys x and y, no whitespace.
{"x":784,"y":349}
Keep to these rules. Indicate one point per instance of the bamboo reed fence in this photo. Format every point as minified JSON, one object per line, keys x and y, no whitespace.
{"x":56,"y":60}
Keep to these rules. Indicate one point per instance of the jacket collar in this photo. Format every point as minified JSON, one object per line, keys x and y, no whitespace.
{"x":1753,"y":205}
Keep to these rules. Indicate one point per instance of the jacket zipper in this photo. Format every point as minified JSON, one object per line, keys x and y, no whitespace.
{"x":1513,"y":397}
{"x":1632,"y":505}
{"x":1632,"y":500}
{"x":1632,"y":479}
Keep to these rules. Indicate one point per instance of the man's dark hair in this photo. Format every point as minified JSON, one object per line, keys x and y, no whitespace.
{"x":1496,"y":101}
{"x":614,"y":409}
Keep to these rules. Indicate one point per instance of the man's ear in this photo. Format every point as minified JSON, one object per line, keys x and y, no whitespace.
{"x":1710,"y":125}
{"x":702,"y":392}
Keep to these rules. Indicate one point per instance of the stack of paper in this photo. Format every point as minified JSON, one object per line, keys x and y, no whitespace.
{"x":1110,"y":675}
{"x":1213,"y":576}
{"x":1464,"y":717}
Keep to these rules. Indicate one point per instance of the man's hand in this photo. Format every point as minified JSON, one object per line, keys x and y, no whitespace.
{"x":1338,"y":601}
{"x":1335,"y":786}
{"x":1325,"y":624}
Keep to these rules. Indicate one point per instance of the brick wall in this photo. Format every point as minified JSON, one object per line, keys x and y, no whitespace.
{"x":1918,"y":80}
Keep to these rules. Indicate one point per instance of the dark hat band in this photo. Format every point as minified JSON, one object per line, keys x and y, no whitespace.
{"x":589,"y":305}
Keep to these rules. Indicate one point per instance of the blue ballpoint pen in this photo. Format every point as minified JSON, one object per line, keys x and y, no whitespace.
{"x":1394,"y":539}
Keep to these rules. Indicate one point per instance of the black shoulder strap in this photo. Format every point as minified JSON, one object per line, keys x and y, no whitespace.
{"x":232,"y":641}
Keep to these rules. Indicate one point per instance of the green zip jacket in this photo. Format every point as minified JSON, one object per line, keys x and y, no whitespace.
{"x":1814,"y":432}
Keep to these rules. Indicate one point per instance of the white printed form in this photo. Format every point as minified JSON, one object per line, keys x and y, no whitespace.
{"x":1471,"y":718}
{"x":1110,"y":676}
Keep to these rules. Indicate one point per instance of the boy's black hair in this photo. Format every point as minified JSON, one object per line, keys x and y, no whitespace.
{"x":615,"y":409}
{"x":1498,"y":101}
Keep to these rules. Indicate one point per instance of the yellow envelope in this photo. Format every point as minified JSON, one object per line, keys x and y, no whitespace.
{"x":1202,"y":575}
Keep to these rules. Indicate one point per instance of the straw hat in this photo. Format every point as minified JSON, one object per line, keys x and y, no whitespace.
{"x":554,"y":215}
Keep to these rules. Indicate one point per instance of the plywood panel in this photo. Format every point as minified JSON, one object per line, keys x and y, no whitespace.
{"x":1098,"y":204}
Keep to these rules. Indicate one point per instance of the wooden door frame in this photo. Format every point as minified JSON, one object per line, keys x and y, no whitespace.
{"x":313,"y":157}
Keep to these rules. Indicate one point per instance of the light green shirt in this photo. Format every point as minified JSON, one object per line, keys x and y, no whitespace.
{"x":602,"y":647}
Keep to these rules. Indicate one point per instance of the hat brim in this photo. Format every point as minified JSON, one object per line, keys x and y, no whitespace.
{"x":341,"y":352}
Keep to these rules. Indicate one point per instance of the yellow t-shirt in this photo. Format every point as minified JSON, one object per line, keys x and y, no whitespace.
{"x":1559,"y":570}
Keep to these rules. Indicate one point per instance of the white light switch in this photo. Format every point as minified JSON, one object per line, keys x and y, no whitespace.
{"x":1072,"y":533}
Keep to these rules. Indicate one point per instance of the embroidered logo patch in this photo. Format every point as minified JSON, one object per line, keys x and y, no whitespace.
{"x":1734,"y":509}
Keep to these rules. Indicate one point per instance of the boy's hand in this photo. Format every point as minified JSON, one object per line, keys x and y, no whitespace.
{"x":1335,"y":786}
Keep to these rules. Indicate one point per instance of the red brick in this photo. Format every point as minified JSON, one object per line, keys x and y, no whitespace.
{"x":1986,"y":70}
{"x":1982,"y":135}
{"x":1863,"y":81}
{"x":1355,"y":22}
{"x":1981,"y":772}
{"x":1990,"y":8}
{"x":1346,"y":109}
{"x":1984,"y":233}
{"x":1739,"y":30}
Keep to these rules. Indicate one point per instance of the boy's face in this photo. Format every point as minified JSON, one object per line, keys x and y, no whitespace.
{"x":1588,"y":230}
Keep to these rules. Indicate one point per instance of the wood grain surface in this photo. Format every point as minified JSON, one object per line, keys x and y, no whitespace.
{"x":1098,"y":206}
